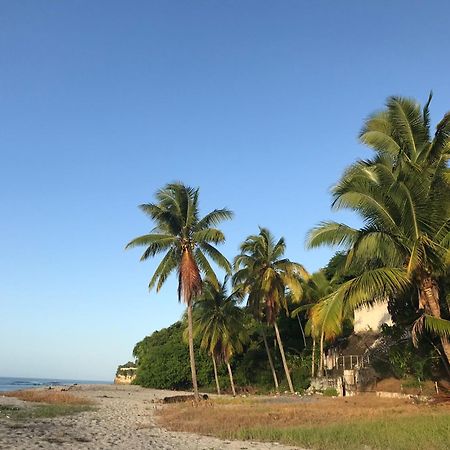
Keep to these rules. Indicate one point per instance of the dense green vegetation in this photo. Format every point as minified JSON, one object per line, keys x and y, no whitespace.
{"x":399,"y":254}
{"x":163,"y":360}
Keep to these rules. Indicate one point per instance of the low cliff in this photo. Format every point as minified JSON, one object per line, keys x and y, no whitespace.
{"x":125,"y":373}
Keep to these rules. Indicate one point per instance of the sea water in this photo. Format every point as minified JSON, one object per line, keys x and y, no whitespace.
{"x":16,"y":383}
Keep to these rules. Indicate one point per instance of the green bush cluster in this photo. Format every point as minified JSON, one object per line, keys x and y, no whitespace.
{"x":163,"y":361}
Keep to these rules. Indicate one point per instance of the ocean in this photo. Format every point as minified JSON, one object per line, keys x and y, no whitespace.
{"x":14,"y":384}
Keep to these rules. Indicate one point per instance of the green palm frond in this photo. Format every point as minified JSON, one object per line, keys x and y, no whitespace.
{"x":215,"y":217}
{"x":167,"y":265}
{"x":294,"y":285}
{"x":434,"y":325}
{"x":439,"y":147}
{"x":210,"y":235}
{"x":295,"y":312}
{"x":216,"y":256}
{"x":374,"y":285}
{"x":327,"y":315}
{"x":373,"y":244}
{"x":437,"y":326}
{"x":331,"y":233}
{"x":150,"y":239}
{"x":377,"y":133}
{"x":206,"y":268}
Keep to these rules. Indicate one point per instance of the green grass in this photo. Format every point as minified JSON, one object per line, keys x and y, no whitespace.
{"x":41,"y":411}
{"x":406,"y":433}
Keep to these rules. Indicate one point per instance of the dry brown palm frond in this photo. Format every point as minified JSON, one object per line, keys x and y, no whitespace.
{"x":190,"y":281}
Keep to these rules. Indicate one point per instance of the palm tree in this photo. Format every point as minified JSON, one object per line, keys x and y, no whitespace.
{"x":186,"y":240}
{"x":325,"y":315}
{"x":266,"y":277}
{"x":403,"y":198}
{"x":219,"y":321}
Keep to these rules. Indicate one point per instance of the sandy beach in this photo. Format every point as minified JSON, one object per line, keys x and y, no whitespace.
{"x":123,"y":419}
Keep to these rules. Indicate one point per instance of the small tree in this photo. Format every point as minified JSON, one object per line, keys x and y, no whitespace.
{"x":219,"y":321}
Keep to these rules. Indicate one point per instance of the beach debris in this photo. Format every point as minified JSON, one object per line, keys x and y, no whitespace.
{"x":183,"y":398}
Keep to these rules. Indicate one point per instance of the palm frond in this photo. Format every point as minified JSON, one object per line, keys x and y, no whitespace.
{"x":206,"y":268}
{"x":437,"y":326}
{"x":167,"y":265}
{"x":331,"y":233}
{"x":327,"y":315}
{"x":215,"y":217}
{"x":155,"y":243}
{"x":373,"y":286}
{"x":208,"y":235}
{"x":216,"y":256}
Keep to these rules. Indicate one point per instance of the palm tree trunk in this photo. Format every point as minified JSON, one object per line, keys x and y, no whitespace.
{"x":215,"y":374}
{"x":313,"y":365}
{"x":191,"y":351}
{"x":269,"y":357}
{"x":429,"y":300}
{"x":322,"y":338}
{"x":286,"y":369}
{"x":231,"y":379}
{"x":301,"y":328}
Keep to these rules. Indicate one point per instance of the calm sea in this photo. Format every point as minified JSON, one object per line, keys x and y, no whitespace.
{"x":14,"y":384}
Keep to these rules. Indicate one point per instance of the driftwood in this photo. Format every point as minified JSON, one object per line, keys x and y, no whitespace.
{"x":183,"y":398}
{"x":441,"y":398}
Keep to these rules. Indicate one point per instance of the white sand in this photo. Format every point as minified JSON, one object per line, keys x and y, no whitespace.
{"x":124,"y":419}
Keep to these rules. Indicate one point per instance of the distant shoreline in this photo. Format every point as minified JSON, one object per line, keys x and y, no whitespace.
{"x":15,"y":383}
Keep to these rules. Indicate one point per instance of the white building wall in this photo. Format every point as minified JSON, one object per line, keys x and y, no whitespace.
{"x":370,"y":318}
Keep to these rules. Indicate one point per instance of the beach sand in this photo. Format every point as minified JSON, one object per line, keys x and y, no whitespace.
{"x":123,"y":419}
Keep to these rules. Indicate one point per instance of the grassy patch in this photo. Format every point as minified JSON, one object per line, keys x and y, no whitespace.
{"x":40,"y":411}
{"x":405,"y":433}
{"x":318,"y":423}
{"x":44,"y":404}
{"x":48,"y":396}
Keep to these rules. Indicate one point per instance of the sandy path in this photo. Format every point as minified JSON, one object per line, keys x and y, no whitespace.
{"x":124,"y":420}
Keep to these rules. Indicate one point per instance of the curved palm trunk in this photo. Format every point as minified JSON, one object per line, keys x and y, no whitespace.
{"x":215,"y":374}
{"x":286,"y":369}
{"x":322,"y":338}
{"x":313,"y":365}
{"x":429,"y":300}
{"x":269,"y":357}
{"x":230,"y":373}
{"x":301,"y":328}
{"x":191,"y":351}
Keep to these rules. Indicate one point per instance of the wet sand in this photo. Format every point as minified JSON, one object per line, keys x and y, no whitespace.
{"x":123,"y":419}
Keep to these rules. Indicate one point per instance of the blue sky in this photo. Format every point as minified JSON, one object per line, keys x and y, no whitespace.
{"x":258,"y":103}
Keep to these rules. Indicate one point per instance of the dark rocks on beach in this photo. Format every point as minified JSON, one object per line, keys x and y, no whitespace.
{"x":183,"y":398}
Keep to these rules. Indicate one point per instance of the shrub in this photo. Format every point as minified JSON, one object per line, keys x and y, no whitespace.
{"x":330,"y":392}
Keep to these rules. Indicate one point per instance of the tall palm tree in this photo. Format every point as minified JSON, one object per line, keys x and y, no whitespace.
{"x":187,"y":240}
{"x":220,"y":322}
{"x":403,"y":198}
{"x":267,"y":277}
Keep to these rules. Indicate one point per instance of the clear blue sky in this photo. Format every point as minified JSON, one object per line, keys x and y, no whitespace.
{"x":258,"y":103}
